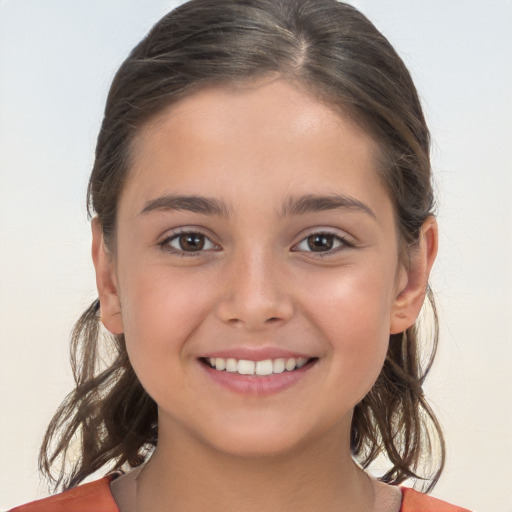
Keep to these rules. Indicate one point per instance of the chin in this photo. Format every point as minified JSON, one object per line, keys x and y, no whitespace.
{"x":270,"y":436}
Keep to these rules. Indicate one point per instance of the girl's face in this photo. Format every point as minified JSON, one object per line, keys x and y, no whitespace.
{"x":254,"y":231}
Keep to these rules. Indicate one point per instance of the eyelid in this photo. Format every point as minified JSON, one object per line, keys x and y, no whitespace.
{"x":344,"y":242}
{"x":164,"y":243}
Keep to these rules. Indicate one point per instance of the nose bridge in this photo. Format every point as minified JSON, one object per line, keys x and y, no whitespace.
{"x":256,"y":292}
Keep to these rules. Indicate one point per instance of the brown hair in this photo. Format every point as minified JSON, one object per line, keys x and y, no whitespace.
{"x":335,"y":52}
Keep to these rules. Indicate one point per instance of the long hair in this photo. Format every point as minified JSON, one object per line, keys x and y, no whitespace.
{"x":336,"y":53}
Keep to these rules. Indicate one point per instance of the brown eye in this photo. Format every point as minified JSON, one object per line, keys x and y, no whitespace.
{"x":320,"y":242}
{"x":189,"y":242}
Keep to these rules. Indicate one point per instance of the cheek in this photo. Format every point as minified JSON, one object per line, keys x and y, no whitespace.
{"x":353,"y":301}
{"x":353,"y":313}
{"x":160,"y":312}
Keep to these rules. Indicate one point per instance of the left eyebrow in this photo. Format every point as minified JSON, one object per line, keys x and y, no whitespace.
{"x":315,"y":203}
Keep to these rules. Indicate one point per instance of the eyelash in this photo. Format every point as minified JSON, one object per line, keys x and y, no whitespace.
{"x":338,"y":242}
{"x":166,"y":243}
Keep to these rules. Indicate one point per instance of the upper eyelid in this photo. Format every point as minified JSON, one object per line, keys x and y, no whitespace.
{"x":173,"y":233}
{"x":319,"y":230}
{"x":343,"y":239}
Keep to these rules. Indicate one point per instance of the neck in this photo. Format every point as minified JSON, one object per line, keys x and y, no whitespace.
{"x":191,"y":477}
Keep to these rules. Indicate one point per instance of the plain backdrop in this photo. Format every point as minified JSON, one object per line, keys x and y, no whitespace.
{"x":57,"y":58}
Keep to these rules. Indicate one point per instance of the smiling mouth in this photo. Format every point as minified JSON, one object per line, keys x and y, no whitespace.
{"x":257,"y":368}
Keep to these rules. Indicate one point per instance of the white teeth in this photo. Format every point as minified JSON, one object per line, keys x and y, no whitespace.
{"x":290,"y":364}
{"x":301,"y":362}
{"x":265,"y":367}
{"x":278,"y":366}
{"x":231,"y":365}
{"x":246,"y":367}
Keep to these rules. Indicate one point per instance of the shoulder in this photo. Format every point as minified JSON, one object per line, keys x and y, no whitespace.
{"x":414,"y":501}
{"x":91,"y":497}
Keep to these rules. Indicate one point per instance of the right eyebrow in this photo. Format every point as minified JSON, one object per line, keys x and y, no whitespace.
{"x":195,"y":204}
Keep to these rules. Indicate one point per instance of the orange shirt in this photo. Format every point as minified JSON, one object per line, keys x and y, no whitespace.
{"x":96,"y":497}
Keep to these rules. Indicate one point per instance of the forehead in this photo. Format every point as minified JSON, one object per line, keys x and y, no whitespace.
{"x":211,"y":110}
{"x":267,"y":134}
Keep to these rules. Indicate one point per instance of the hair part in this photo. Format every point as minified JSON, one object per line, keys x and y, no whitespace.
{"x":333,"y":51}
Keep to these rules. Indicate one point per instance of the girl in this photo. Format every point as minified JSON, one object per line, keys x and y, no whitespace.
{"x":263,"y":234}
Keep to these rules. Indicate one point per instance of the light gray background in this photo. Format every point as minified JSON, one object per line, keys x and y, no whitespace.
{"x":56,"y":62}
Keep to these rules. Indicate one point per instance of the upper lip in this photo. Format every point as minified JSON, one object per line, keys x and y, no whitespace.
{"x":256,"y":353}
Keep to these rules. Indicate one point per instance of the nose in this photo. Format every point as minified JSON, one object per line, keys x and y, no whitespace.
{"x":256,"y":294}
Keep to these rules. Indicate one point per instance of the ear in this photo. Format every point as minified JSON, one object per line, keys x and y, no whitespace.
{"x":413,"y":280}
{"x":106,"y":281}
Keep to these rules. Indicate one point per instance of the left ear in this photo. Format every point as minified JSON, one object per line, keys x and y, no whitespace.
{"x":413,"y":280}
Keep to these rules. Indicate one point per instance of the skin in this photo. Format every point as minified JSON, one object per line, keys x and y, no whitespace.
{"x":258,"y":284}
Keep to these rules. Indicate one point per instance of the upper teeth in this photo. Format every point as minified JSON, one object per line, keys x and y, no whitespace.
{"x":265,"y":367}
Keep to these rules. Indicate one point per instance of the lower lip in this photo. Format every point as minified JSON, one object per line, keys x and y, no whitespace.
{"x":257,"y":385}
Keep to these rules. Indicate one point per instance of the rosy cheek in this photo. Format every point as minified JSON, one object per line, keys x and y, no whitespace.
{"x":355,"y":305}
{"x":162,"y":307}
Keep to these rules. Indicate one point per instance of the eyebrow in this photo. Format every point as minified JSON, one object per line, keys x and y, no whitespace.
{"x":316,"y":203}
{"x":292,"y":206}
{"x":195,"y":204}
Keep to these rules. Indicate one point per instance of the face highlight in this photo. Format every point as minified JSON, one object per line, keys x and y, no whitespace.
{"x":256,"y":275}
